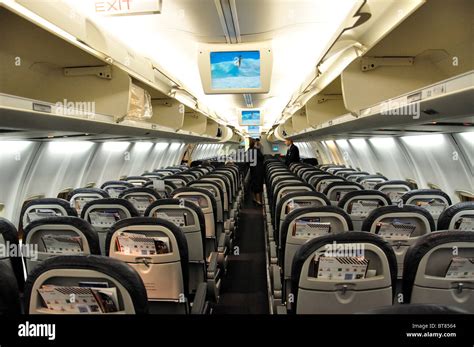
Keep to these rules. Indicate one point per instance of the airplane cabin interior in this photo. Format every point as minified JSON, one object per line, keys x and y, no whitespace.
{"x":272,"y":158}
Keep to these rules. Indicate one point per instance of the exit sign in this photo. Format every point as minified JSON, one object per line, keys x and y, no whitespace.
{"x":127,"y":7}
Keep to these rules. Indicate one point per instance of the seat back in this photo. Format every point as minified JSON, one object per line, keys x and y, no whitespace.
{"x":81,"y":196}
{"x":287,"y":188}
{"x":457,"y":217}
{"x":140,"y":197}
{"x":353,"y":176}
{"x":225,"y":186}
{"x":331,"y":168}
{"x":55,"y":236}
{"x":433,"y":200}
{"x":307,"y":223}
{"x":164,"y":172}
{"x":84,"y":285}
{"x":370,"y":181}
{"x":335,"y":191}
{"x":102,"y":214}
{"x":322,"y":182}
{"x":314,"y":176}
{"x":138,"y":181}
{"x":394,"y":189}
{"x":206,"y":202}
{"x":44,"y":208}
{"x":190,"y":219}
{"x":157,"y":249}
{"x":323,"y":284}
{"x":439,"y":270}
{"x":178,"y":180}
{"x":358,"y":204}
{"x":115,"y":188}
{"x":216,"y":190}
{"x":400,"y":226}
{"x":294,"y":201}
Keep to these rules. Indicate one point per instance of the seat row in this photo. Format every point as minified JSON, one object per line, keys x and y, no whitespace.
{"x":391,"y":252}
{"x":144,"y":244}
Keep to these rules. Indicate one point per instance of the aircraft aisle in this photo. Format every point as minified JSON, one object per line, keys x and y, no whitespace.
{"x":246,"y":290}
{"x":236,"y":168}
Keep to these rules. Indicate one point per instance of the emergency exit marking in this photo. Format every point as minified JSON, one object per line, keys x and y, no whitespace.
{"x":127,"y":7}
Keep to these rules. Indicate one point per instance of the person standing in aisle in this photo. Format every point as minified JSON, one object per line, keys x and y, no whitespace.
{"x":292,"y":154}
{"x":255,"y":157}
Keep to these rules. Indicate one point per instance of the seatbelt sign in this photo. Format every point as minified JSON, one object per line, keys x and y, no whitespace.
{"x":127,"y":7}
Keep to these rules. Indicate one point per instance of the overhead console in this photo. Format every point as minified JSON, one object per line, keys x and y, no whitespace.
{"x":54,"y":82}
{"x":233,"y":69}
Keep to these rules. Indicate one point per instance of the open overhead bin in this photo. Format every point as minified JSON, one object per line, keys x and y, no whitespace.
{"x":419,"y":73}
{"x":52,"y":81}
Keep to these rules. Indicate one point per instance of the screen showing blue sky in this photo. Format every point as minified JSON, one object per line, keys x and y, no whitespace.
{"x":252,"y":129}
{"x":235,"y":70}
{"x":251,"y":117}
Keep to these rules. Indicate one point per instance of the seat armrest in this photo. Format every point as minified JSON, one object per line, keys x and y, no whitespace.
{"x":273,"y":253}
{"x":212,"y":267}
{"x":276,"y":281}
{"x":200,"y":304}
{"x":222,"y":245}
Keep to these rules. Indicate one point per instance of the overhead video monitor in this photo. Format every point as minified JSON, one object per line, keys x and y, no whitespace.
{"x":242,"y":68}
{"x":250,"y":117}
{"x":253,"y":130}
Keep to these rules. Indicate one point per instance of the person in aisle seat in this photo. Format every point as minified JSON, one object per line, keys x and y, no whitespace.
{"x":55,"y":236}
{"x":99,"y":285}
{"x":439,"y":270}
{"x":292,"y":154}
{"x":322,"y":284}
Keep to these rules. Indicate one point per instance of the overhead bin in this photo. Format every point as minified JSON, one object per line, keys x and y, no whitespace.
{"x":195,"y":122}
{"x":212,"y":128}
{"x":299,"y":120}
{"x":326,"y":106}
{"x":398,"y":82}
{"x":284,"y":130}
{"x":398,"y":65}
{"x":65,"y":17}
{"x":52,"y":84}
{"x":445,"y":100}
{"x":168,"y":113}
